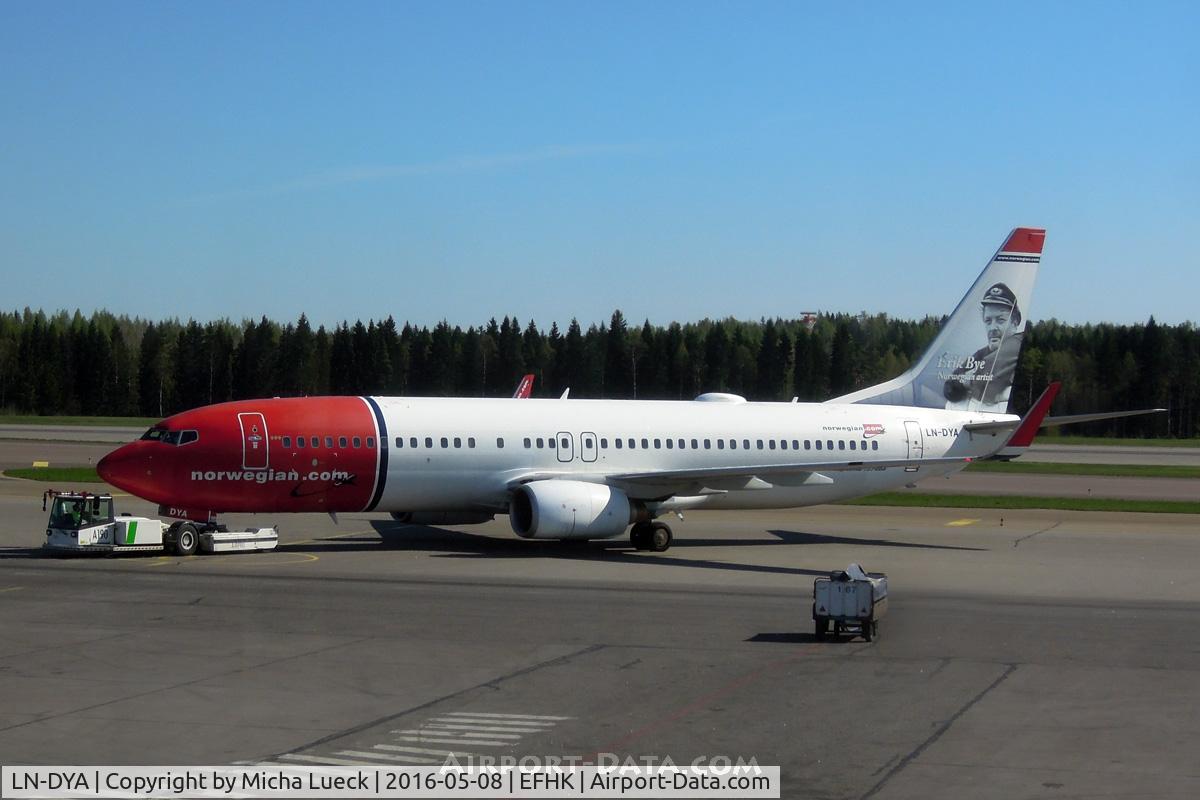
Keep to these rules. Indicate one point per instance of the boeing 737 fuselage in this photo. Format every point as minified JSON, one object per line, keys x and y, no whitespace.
{"x":587,"y":469}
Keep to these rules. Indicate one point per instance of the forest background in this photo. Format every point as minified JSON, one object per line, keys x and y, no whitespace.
{"x":69,"y":364}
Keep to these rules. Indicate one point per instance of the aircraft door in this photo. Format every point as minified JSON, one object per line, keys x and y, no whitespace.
{"x":587,"y":446}
{"x":916,"y":442}
{"x":566,"y":446}
{"x":254,"y":440}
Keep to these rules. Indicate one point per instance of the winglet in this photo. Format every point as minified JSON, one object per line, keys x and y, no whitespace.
{"x":1023,"y":436}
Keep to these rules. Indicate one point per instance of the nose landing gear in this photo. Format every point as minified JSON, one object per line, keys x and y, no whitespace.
{"x":653,"y":536}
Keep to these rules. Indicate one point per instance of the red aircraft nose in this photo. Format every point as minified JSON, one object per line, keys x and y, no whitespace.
{"x":128,"y":468}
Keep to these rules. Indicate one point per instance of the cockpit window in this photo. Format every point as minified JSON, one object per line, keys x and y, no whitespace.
{"x":170,"y":437}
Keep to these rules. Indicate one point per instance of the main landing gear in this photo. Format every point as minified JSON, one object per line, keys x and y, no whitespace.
{"x":653,"y":536}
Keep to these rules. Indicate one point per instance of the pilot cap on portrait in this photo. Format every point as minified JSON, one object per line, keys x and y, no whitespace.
{"x":1000,"y":295}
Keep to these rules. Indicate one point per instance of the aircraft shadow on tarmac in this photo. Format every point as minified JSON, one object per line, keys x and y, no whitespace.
{"x":802,"y":638}
{"x":450,"y":543}
{"x":795,"y":537}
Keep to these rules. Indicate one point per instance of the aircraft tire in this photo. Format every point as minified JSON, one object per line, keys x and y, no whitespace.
{"x":639,"y":536}
{"x":186,"y":539}
{"x":660,"y":537}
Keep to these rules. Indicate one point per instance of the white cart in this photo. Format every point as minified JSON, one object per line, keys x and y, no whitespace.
{"x":850,"y":599}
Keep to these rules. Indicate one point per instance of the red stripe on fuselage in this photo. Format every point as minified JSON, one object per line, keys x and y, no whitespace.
{"x":211,"y":472}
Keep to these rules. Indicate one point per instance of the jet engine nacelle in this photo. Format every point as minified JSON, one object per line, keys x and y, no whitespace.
{"x":442,"y":517}
{"x":557,"y":509}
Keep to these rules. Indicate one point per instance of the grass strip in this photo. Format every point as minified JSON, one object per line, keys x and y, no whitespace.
{"x":1111,"y":470}
{"x":922,"y":500}
{"x":56,"y":474}
{"x":106,"y":422}
{"x":1109,"y":441}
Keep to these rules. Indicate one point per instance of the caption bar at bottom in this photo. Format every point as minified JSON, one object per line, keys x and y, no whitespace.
{"x":352,"y":782}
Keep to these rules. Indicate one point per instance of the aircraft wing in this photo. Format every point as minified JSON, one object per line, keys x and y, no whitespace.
{"x":668,"y":482}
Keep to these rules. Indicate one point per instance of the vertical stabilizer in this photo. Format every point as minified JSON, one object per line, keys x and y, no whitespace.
{"x":971,"y":363}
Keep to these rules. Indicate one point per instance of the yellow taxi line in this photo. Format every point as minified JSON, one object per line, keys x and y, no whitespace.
{"x":961,"y":523}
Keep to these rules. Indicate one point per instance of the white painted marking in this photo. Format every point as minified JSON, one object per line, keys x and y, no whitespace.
{"x":511,"y":725}
{"x":345,"y":762}
{"x":431,"y":740}
{"x":502,"y":716}
{"x":388,"y":757}
{"x":442,"y":753}
{"x":444,"y":732}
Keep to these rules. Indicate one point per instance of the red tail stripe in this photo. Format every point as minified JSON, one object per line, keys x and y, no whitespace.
{"x":1025,"y":240}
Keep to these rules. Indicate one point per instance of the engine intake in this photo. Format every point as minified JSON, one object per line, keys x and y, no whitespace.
{"x":558,"y":509}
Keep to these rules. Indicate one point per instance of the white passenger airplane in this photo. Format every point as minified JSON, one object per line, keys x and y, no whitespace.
{"x":589,"y":469}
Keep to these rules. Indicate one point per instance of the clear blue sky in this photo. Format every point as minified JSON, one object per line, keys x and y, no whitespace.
{"x":551,"y":160}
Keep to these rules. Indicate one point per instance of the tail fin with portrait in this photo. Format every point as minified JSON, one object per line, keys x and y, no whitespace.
{"x":972,"y":361}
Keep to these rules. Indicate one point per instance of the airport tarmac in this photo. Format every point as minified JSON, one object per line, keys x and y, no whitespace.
{"x":1025,"y":654}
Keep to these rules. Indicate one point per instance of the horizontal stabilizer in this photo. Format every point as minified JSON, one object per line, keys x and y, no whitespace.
{"x":1051,"y":422}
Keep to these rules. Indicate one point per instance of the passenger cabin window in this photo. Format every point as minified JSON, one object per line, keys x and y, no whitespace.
{"x":708,"y":444}
{"x":541,"y":442}
{"x":400,"y":442}
{"x":603,"y":443}
{"x":760,"y":444}
{"x":528,"y":444}
{"x":682,"y":444}
{"x":412,"y":441}
{"x":658,"y":444}
{"x":771,"y":444}
{"x":287,"y":441}
{"x":300,"y":442}
{"x":853,"y":445}
{"x":670,"y":444}
{"x":458,"y":442}
{"x":499,"y":442}
{"x":733,"y":444}
{"x":429,"y":442}
{"x":874,"y":445}
{"x":841,"y":444}
{"x":315,"y":442}
{"x":808,"y":444}
{"x":357,"y":442}
{"x":829,"y":444}
{"x":342,"y":441}
{"x":745,"y":444}
{"x":618,"y":443}
{"x":818,"y":444}
{"x":566,"y":444}
{"x":370,"y":441}
{"x":645,"y":444}
{"x":695,"y":444}
{"x":187,"y":437}
{"x":632,"y":444}
{"x":329,"y":442}
{"x":720,"y":444}
{"x":445,"y":442}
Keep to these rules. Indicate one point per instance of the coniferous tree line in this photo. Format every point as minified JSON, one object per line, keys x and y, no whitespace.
{"x":117,"y":365}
